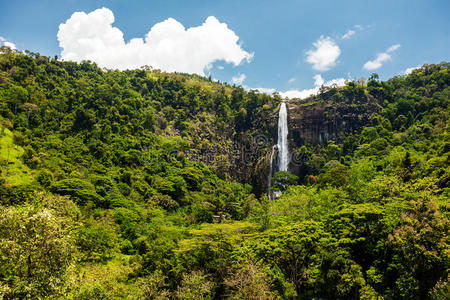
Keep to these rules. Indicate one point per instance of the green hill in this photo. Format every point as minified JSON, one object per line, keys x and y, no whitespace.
{"x":144,"y":184}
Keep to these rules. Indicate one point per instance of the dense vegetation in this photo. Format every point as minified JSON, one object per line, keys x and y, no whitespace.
{"x":121,"y":185}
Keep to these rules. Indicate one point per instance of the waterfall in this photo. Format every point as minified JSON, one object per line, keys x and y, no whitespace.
{"x":283,"y":151}
{"x":281,"y":147}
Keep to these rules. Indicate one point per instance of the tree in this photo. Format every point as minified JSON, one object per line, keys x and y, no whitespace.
{"x":293,"y":249}
{"x":96,"y":242}
{"x":250,"y":281}
{"x":421,"y":244}
{"x":195,"y":286}
{"x":153,"y":286}
{"x":17,"y":95}
{"x":335,"y":174}
{"x":36,"y":247}
{"x":281,"y":180}
{"x":29,"y":108}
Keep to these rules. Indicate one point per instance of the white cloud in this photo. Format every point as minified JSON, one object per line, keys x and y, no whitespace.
{"x":325,"y":54}
{"x":168,"y":45}
{"x":351,"y":32}
{"x":238,"y":80}
{"x":318,"y":82}
{"x":291,"y":80}
{"x":268,"y":91}
{"x":393,"y":48}
{"x":6,"y":43}
{"x":348,"y":34}
{"x":263,"y":90}
{"x":10,"y":45}
{"x":336,"y":82}
{"x":409,"y":70}
{"x":381,"y":58}
{"x":299,"y":94}
{"x":220,"y":67}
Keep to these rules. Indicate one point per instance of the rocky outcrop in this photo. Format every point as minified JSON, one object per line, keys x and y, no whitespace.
{"x":312,"y":122}
{"x":318,"y":122}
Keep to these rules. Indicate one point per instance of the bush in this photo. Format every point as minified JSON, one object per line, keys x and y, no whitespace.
{"x":96,"y":243}
{"x":95,"y":291}
{"x":36,"y":248}
{"x":79,"y":190}
{"x":45,"y":177}
{"x":165,"y":201}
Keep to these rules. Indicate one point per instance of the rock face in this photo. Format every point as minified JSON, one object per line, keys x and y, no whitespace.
{"x":315,"y":121}
{"x":312,"y":122}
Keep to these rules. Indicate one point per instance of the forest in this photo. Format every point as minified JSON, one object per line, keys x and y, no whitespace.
{"x":142,"y":184}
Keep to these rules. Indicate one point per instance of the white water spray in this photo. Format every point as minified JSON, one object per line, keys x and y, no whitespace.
{"x":281,"y":147}
{"x":283,"y":150}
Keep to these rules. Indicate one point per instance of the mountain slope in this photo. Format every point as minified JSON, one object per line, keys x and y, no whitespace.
{"x":145,"y":184}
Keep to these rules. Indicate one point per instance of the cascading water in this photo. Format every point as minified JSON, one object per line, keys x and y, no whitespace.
{"x":281,"y":147}
{"x":283,"y":150}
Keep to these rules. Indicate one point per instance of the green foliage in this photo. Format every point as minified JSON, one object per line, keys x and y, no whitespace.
{"x":335,"y":174}
{"x":421,"y":242}
{"x":12,"y":169}
{"x":149,"y":160}
{"x":194,"y":286}
{"x":96,"y":243}
{"x":153,"y":286}
{"x":36,"y":247}
{"x":81,"y":191}
{"x":299,"y":203}
{"x":282,"y":179}
{"x":252,"y":281}
{"x":95,"y":291}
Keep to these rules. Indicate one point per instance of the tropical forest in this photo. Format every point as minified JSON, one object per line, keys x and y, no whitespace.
{"x":208,"y":150}
{"x":143,"y":184}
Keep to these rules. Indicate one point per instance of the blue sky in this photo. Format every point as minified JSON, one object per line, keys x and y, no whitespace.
{"x":284,"y":45}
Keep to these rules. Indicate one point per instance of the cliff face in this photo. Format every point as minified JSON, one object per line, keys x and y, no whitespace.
{"x":312,"y":122}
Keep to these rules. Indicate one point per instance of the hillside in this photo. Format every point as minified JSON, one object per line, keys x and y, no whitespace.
{"x":150,"y":185}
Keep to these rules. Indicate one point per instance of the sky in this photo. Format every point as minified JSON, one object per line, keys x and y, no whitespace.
{"x":292,"y":47}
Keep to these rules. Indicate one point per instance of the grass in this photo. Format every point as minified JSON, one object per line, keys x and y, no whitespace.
{"x":13,"y":170}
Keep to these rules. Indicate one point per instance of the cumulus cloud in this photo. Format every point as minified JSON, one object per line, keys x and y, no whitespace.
{"x":381,"y":58}
{"x":409,"y":70}
{"x":238,"y":80}
{"x":6,"y":43}
{"x":325,"y":54}
{"x":299,"y":94}
{"x":268,"y":91}
{"x":318,"y":82}
{"x":168,"y":45}
{"x":263,"y":90}
{"x":348,"y":34}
